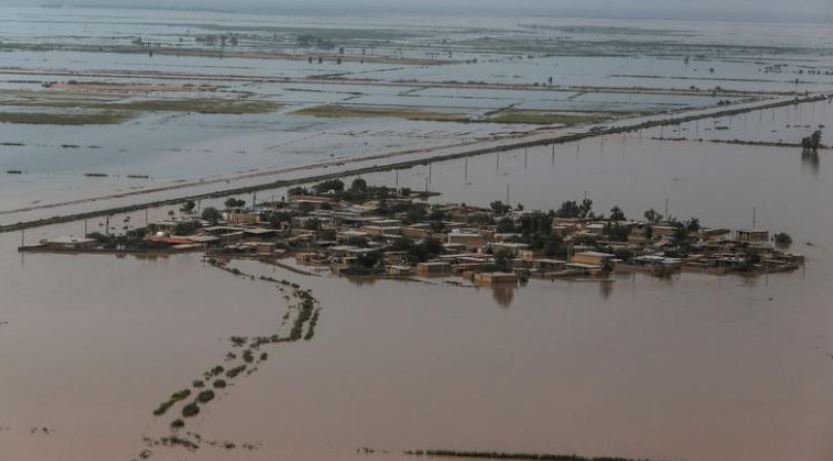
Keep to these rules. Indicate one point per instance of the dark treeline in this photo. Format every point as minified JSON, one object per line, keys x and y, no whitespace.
{"x":516,"y":456}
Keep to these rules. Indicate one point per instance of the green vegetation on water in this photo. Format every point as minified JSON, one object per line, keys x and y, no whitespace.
{"x":50,"y":118}
{"x":203,"y":106}
{"x":336,"y":110}
{"x":191,"y":410}
{"x":185,"y":105}
{"x":536,"y":117}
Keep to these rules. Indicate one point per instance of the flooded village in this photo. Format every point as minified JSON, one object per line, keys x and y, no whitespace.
{"x":359,"y":230}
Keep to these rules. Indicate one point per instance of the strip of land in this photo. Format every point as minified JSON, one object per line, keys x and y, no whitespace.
{"x":368,"y":164}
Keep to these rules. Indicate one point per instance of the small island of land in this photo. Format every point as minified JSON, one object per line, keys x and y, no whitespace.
{"x":381,"y":232}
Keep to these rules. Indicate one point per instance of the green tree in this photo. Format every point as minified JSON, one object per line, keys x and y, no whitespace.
{"x":569,"y":209}
{"x":617,"y":232}
{"x":783,"y":240}
{"x":185,"y":228}
{"x":235,"y":203}
{"x":188,"y":207}
{"x":416,"y":213}
{"x":212,"y":215}
{"x":586,"y":208}
{"x":616,"y":214}
{"x":499,"y":207}
{"x":335,"y":185}
{"x":358,"y":185}
{"x":305,"y":207}
{"x":505,"y":226}
{"x":693,"y":225}
{"x":503,"y":260}
{"x":652,"y":216}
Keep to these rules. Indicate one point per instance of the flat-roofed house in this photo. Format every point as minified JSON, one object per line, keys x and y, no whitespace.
{"x":753,"y":236}
{"x":592,"y":258}
{"x":433,"y":268}
{"x":495,"y":278}
{"x":549,"y":265}
{"x":469,"y":238}
{"x":69,"y":243}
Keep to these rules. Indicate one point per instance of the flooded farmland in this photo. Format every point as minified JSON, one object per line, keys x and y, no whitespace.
{"x":692,"y":367}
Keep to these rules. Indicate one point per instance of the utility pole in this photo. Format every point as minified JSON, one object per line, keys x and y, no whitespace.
{"x":666,"y":209}
{"x":507,"y":193}
{"x":754,"y":217}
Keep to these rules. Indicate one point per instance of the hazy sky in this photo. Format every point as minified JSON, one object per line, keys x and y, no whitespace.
{"x":817,"y":10}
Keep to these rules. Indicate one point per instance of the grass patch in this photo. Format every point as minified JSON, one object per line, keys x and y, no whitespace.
{"x":203,"y":106}
{"x":336,"y":111}
{"x":537,"y":117}
{"x":47,"y":118}
{"x":199,"y":105}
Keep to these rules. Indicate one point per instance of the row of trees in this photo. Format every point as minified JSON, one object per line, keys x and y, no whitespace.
{"x":359,"y":191}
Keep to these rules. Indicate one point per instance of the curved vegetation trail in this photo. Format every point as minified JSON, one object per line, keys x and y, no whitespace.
{"x":245,"y":355}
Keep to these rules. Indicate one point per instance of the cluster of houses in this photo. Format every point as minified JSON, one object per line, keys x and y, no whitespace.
{"x":327,"y":232}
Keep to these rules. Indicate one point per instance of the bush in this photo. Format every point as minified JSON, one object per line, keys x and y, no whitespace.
{"x":190,"y":410}
{"x":188,"y":206}
{"x":235,"y":203}
{"x":185,"y":228}
{"x":212,"y":215}
{"x":783,"y":239}
{"x":235,"y":371}
{"x":181,"y":395}
{"x":205,"y":396}
{"x":331,"y":185}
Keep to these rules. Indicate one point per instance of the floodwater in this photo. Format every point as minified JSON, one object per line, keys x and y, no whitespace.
{"x":511,"y":50}
{"x":698,"y":367}
{"x":694,"y":368}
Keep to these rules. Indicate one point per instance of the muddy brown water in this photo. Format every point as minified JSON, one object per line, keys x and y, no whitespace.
{"x":695,"y":368}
